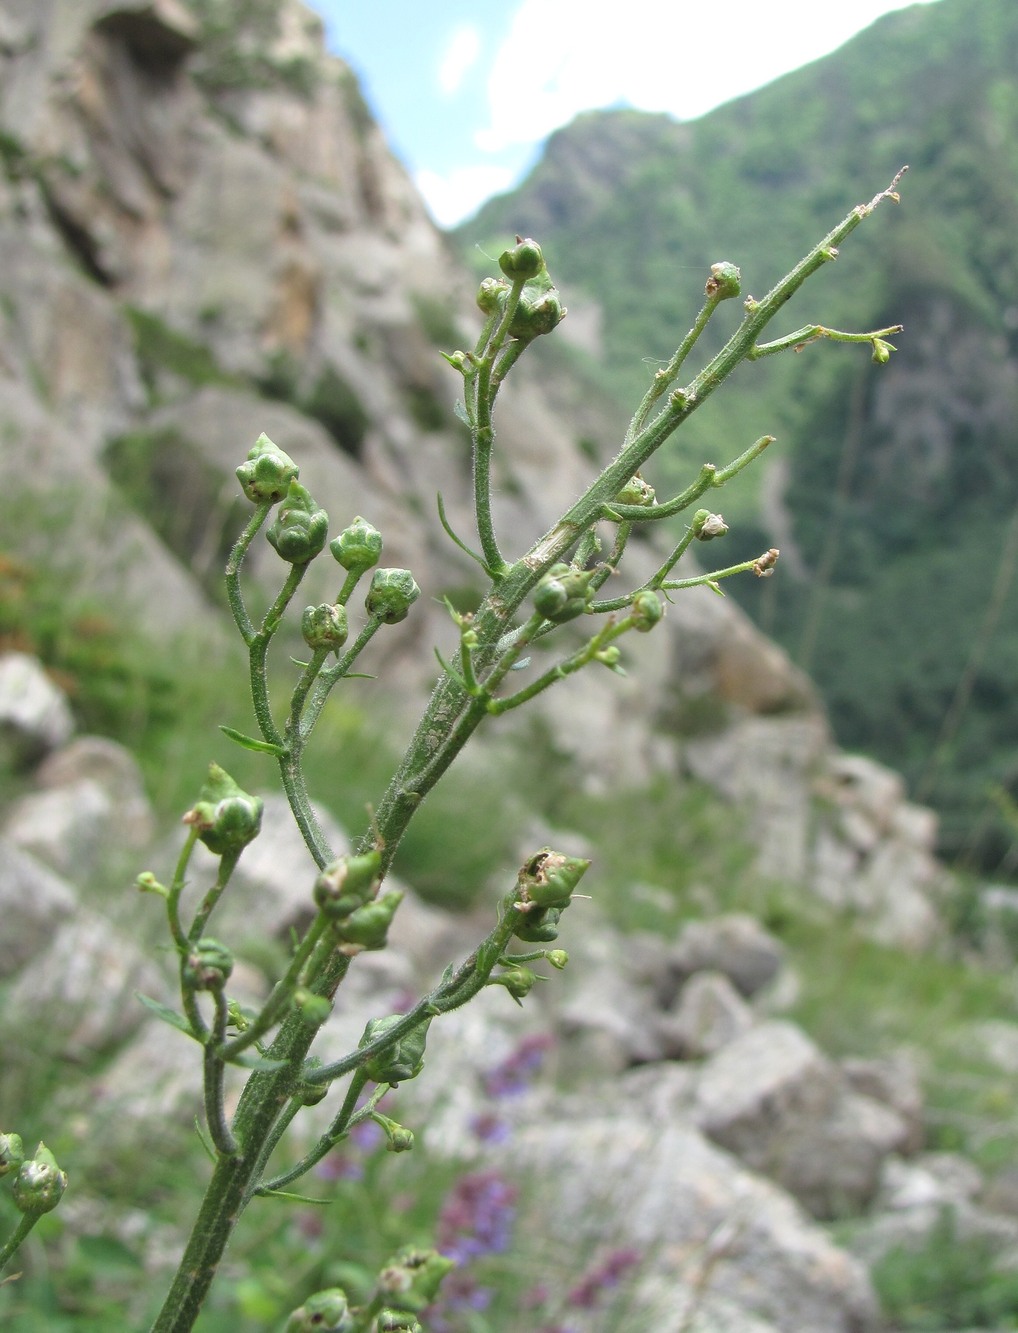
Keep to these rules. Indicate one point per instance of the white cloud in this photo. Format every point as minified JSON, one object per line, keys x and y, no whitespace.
{"x":461,"y":53}
{"x":565,"y":56}
{"x":456,"y":194}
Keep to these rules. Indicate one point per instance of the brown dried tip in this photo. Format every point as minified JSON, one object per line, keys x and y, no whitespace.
{"x":763,"y":566}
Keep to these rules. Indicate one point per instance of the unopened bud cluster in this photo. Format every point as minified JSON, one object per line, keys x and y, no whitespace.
{"x":345,"y":892}
{"x":37,"y":1182}
{"x":563,"y":593}
{"x":402,"y":1059}
{"x":544,"y":890}
{"x":226,"y":817}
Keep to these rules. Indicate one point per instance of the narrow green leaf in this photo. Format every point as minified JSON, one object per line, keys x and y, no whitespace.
{"x":295,"y":1198}
{"x":249,"y":742}
{"x":164,"y":1012}
{"x":452,"y":537}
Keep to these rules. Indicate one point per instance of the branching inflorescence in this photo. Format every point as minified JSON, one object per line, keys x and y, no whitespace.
{"x":558,"y":580}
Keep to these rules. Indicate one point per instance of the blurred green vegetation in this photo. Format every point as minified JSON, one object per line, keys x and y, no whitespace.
{"x":951,"y":1282}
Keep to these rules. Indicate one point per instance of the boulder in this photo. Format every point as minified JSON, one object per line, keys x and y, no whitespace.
{"x":705,"y":1226}
{"x":89,"y":810}
{"x":735,"y":945}
{"x":773,"y":1099}
{"x":77,"y":996}
{"x":35,"y":716}
{"x":709,"y":1014}
{"x":34,"y":902}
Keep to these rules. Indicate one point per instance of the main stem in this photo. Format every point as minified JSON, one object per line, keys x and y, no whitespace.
{"x":449,"y":721}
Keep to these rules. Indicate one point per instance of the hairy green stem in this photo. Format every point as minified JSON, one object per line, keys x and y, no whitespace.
{"x":452,"y":715}
{"x":17,"y":1237}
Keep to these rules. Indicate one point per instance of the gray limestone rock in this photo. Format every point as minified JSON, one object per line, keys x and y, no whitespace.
{"x":35,"y":716}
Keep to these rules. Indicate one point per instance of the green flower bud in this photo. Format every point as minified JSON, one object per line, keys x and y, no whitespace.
{"x":706,"y":526}
{"x":518,"y":981}
{"x":12,"y":1153}
{"x":536,"y":314}
{"x":324,"y":626}
{"x":147,"y":883}
{"x":882,"y":350}
{"x":412,"y":1279}
{"x":348,"y":883}
{"x":404,"y":1059}
{"x":326,"y":1311}
{"x":562,"y":594}
{"x":313,"y":1009}
{"x":636,"y":491}
{"x":207,"y":965}
{"x":525,"y":260}
{"x":397,"y":1137}
{"x":558,"y":958}
{"x":368,"y":926}
{"x":646,"y":611}
{"x":462,"y":361}
{"x":725,"y":281}
{"x":266,"y":476}
{"x":538,"y":926}
{"x":549,"y":878}
{"x":491,"y":295}
{"x":299,"y":530}
{"x":310,"y":1094}
{"x":39,"y":1185}
{"x":398,"y":1321}
{"x":610,"y":657}
{"x":391,"y":595}
{"x":226,"y":817}
{"x":357,"y":547}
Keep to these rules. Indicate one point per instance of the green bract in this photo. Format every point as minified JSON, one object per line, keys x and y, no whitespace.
{"x":348,"y":883}
{"x":636,"y":492}
{"x":404,"y":1059}
{"x":368,"y":926}
{"x":491,"y":295}
{"x":299,"y":530}
{"x":524,"y":260}
{"x":647,"y":611}
{"x":357,"y":547}
{"x":12,"y":1153}
{"x":539,"y":311}
{"x":549,"y":878}
{"x":391,"y":595}
{"x":725,"y":281}
{"x":39,"y":1185}
{"x":324,"y":626}
{"x":562,"y":594}
{"x":226,"y":817}
{"x":411,"y":1280}
{"x":266,"y":475}
{"x":207,"y":965}
{"x":326,"y":1311}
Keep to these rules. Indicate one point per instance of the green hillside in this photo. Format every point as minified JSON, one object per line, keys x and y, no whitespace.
{"x":898,"y":488}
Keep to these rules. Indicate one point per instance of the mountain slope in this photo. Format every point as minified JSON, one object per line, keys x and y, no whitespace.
{"x":891,"y":493}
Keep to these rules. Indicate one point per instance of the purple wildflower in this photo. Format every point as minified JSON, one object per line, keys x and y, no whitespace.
{"x":601,"y":1277}
{"x":490,"y":1127}
{"x":477,"y":1216}
{"x":515,"y":1073}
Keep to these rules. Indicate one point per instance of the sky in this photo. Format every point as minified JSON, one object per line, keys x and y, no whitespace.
{"x":468,"y":90}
